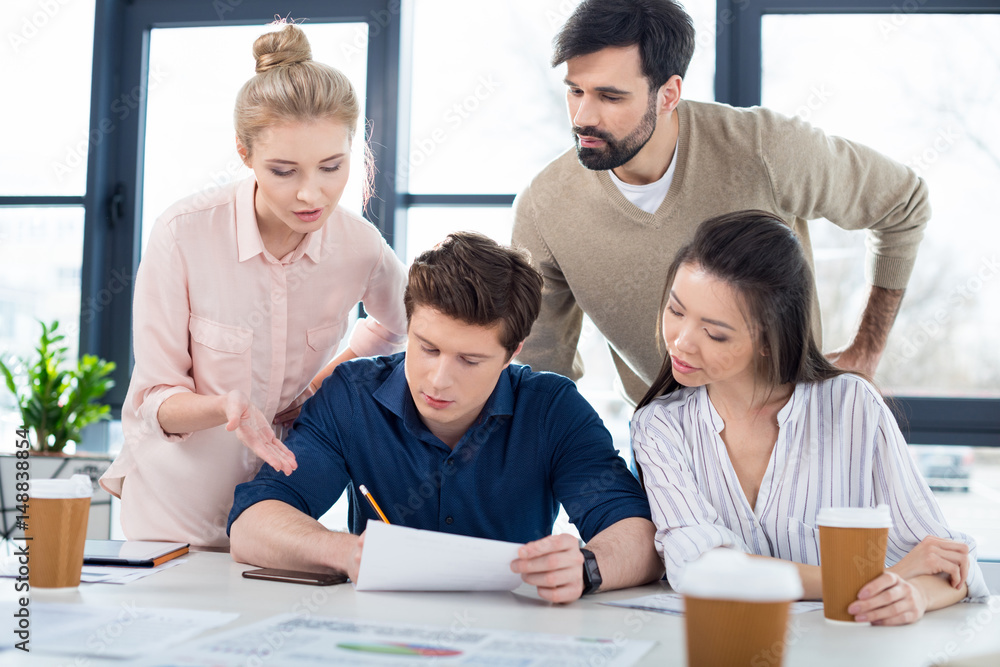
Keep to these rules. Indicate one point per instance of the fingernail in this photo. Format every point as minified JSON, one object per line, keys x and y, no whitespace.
{"x":853,"y":609}
{"x":861,"y":619}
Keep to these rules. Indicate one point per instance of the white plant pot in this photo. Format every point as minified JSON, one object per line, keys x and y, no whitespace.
{"x":60,"y":466}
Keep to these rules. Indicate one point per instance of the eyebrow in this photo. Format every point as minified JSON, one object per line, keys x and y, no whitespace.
{"x":326,"y":159}
{"x":601,"y":89}
{"x":717,"y":323}
{"x":477,"y":355}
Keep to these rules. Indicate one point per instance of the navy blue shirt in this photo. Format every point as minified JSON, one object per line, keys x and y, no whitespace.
{"x":536,"y":443}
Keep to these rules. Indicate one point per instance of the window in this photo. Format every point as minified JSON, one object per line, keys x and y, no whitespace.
{"x":925,"y":107}
{"x":928,"y":102}
{"x":43,"y":174}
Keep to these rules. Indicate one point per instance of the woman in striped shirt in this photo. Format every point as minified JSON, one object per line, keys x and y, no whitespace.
{"x":748,"y":431}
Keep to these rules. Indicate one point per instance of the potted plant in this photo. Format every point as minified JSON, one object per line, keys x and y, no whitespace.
{"x":56,"y":403}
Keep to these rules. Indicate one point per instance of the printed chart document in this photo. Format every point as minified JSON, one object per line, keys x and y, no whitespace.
{"x":673,"y":603}
{"x":396,"y":558}
{"x":292,"y":640}
{"x":123,"y":631}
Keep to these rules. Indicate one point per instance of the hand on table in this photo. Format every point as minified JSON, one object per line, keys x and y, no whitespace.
{"x":554,"y":564}
{"x":888,"y":599}
{"x":936,"y":555}
{"x":255,"y":433}
{"x":287,"y":417}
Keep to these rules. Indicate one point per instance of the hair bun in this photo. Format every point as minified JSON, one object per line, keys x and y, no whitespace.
{"x":288,"y":46}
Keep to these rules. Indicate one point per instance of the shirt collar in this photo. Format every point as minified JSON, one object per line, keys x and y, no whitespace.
{"x":394,"y":394}
{"x":787,"y":411}
{"x":248,"y":241}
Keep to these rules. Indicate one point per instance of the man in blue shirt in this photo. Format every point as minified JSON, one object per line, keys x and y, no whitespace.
{"x":448,"y":436}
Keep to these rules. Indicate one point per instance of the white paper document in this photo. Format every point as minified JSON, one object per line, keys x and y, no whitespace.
{"x":673,"y":603}
{"x":396,"y":558}
{"x":99,"y":574}
{"x":113,"y":574}
{"x":123,"y":631}
{"x":292,"y":640}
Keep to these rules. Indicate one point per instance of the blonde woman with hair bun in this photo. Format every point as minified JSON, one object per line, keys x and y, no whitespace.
{"x":243,"y":298}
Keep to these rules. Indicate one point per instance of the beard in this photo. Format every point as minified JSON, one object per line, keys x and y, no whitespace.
{"x":616,"y":152}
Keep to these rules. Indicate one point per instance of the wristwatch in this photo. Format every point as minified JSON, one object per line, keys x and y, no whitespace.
{"x":591,"y":573}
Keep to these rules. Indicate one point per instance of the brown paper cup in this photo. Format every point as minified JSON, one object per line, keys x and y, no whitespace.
{"x":57,"y":530}
{"x":849,"y":559}
{"x":735,"y":632}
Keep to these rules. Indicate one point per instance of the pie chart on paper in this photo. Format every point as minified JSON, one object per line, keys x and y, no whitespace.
{"x":399,"y":648}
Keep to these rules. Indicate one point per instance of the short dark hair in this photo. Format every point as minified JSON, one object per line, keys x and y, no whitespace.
{"x":472,"y":278}
{"x":763,"y":261}
{"x":661,"y":28}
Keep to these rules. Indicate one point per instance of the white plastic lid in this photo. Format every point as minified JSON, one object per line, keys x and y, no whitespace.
{"x":77,"y":486}
{"x":726,"y":574}
{"x":855,"y":517}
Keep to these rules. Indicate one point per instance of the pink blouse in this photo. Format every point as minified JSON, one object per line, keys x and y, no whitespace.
{"x":215,"y":311}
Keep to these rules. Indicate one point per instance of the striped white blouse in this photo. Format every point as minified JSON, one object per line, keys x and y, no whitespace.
{"x":838,"y":446}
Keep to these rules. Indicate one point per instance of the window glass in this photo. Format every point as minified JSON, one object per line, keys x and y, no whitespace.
{"x":39,"y":280}
{"x":966,"y":483}
{"x":45,"y":75}
{"x":40,"y":275}
{"x":931,"y":104}
{"x":428,"y":225}
{"x":487,"y":111}
{"x":194,"y":76}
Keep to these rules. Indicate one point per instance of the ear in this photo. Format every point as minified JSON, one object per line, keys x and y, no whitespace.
{"x":242,"y":151}
{"x":516,"y":352}
{"x":669,"y":95}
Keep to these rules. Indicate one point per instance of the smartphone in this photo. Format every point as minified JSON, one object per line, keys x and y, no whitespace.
{"x":293,"y":577}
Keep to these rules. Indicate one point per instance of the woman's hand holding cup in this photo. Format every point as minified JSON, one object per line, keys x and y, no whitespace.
{"x":889,"y":599}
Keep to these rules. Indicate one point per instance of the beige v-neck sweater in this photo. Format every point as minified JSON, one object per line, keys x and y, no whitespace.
{"x":601,"y":255}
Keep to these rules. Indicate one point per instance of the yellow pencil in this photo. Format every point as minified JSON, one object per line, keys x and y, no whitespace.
{"x":371,"y":501}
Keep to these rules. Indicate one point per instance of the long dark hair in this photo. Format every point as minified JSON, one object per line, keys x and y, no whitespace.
{"x":760,"y":257}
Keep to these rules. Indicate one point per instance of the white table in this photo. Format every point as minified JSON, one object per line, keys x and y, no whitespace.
{"x":212,"y":581}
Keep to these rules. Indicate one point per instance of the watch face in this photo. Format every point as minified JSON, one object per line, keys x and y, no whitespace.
{"x":591,"y":573}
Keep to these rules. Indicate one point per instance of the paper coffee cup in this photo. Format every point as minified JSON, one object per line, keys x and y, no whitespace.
{"x":57,"y":529}
{"x":736,"y":608}
{"x":852,"y":544}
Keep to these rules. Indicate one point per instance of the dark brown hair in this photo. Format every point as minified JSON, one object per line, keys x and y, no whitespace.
{"x":762,"y":260}
{"x":472,"y":278}
{"x":662,"y":29}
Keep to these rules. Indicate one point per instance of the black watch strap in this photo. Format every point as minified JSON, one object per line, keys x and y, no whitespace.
{"x":591,"y":573}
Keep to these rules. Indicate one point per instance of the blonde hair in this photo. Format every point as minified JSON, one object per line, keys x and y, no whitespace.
{"x":290,"y":86}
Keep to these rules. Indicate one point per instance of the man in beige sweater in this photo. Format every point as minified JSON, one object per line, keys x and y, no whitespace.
{"x":604,"y":220}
